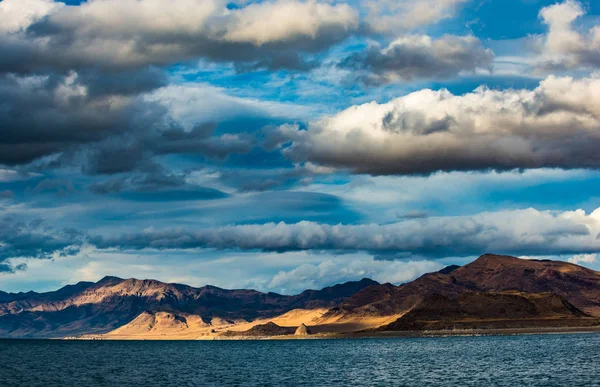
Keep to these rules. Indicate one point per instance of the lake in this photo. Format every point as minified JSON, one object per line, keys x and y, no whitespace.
{"x":534,"y":360}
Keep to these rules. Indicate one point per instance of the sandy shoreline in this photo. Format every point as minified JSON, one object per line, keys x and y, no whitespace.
{"x":373,"y":335}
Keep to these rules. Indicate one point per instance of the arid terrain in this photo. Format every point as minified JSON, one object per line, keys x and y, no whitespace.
{"x":493,"y":293}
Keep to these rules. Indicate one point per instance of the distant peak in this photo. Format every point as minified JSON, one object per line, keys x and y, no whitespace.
{"x":369,"y":281}
{"x":494,"y":257}
{"x":109,"y":278}
{"x":449,"y":269}
{"x":363,"y":282}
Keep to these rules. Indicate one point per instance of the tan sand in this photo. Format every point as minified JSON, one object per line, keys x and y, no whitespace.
{"x":170,"y":326}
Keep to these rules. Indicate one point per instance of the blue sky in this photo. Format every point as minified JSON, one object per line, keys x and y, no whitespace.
{"x":292,"y":144}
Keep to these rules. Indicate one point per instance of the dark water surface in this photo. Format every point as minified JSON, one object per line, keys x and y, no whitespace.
{"x":532,"y":360}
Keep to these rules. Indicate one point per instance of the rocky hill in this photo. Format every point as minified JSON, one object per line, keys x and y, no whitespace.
{"x":489,"y":273}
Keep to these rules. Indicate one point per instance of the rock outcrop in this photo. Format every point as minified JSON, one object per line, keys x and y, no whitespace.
{"x":269,"y":329}
{"x":302,"y":330}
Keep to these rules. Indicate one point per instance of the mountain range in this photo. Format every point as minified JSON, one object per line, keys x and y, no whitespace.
{"x":493,"y":291}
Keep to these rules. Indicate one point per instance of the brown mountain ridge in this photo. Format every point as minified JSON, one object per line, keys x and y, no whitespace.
{"x":493,"y":291}
{"x":98,"y":308}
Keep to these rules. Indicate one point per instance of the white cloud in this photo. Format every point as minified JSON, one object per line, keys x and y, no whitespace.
{"x":584,"y":258}
{"x":287,"y":19}
{"x":519,"y":232}
{"x":16,"y":15}
{"x":564,"y":47}
{"x":340,"y":270}
{"x":394,"y":15}
{"x":556,"y":125}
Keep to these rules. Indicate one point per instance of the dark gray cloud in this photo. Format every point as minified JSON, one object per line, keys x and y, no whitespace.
{"x":199,"y":140}
{"x":45,"y":115}
{"x":556,"y":125}
{"x":101,"y":132}
{"x":137,"y":151}
{"x":60,"y":187}
{"x":11,"y":269}
{"x":36,"y":239}
{"x":157,"y":186}
{"x":6,"y":194}
{"x":123,"y":83}
{"x":256,"y":180}
{"x":157,"y":180}
{"x":413,"y":57}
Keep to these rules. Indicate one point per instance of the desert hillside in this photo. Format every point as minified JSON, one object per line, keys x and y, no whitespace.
{"x":111,"y":303}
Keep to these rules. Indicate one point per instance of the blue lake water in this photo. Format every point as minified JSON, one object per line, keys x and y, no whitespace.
{"x":533,"y":360}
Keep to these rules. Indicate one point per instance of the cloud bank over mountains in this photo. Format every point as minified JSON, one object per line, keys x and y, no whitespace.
{"x":293,"y":133}
{"x":519,"y":232}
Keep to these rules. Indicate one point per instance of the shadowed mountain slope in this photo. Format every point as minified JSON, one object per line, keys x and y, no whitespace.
{"x":489,"y":273}
{"x":491,"y":310}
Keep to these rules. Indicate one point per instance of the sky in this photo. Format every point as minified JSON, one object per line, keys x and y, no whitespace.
{"x":282,"y":145}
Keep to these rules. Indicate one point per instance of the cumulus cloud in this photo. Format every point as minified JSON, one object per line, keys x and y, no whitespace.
{"x":564,"y":47}
{"x":35,"y":239}
{"x":556,"y":125}
{"x":521,"y":232}
{"x":419,"y":56}
{"x":118,"y":34}
{"x":394,"y":15}
{"x":335,"y":271}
